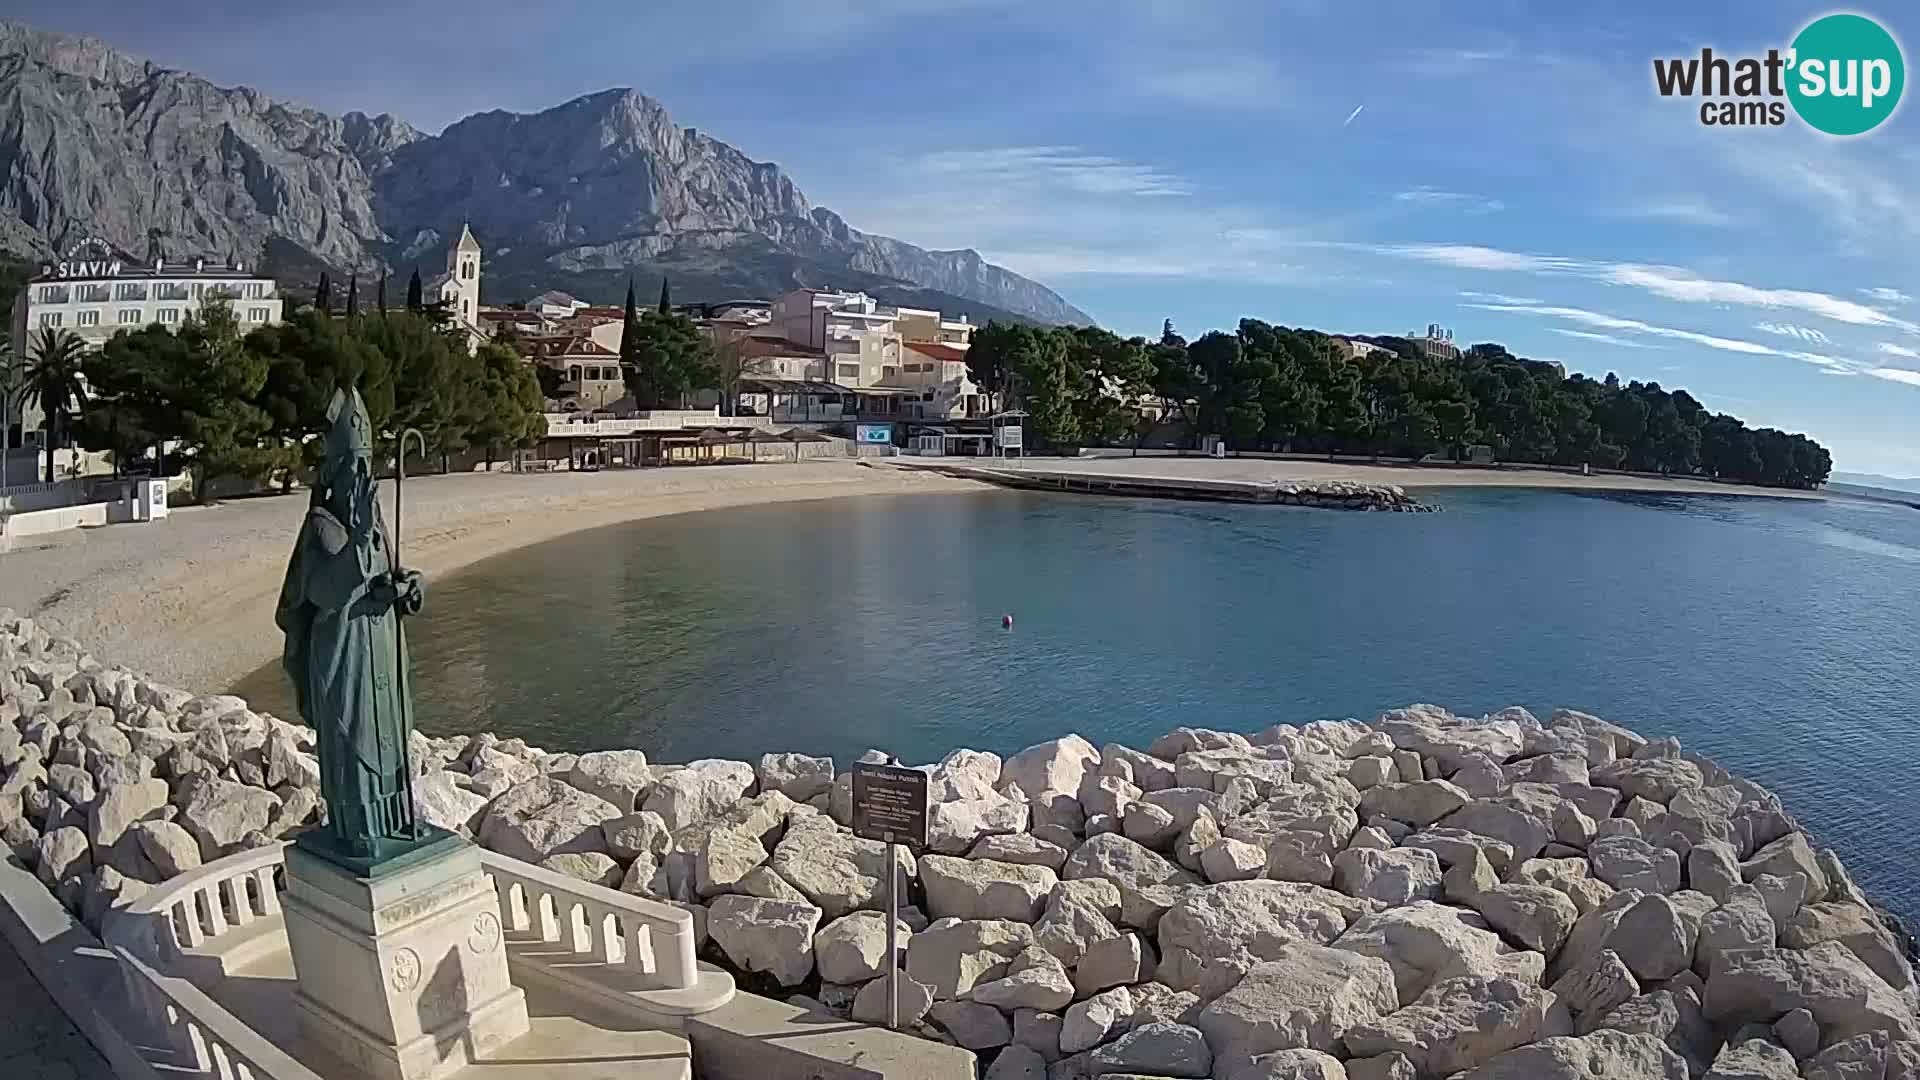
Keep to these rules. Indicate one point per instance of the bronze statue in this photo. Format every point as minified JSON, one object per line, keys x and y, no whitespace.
{"x":345,"y":652}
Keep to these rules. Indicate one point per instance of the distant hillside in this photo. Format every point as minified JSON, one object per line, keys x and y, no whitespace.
{"x":1905,"y":485}
{"x":160,"y":162}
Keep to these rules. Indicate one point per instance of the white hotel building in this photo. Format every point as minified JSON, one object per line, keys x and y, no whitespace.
{"x":93,"y":293}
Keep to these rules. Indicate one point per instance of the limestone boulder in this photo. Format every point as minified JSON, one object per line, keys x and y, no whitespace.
{"x":1146,"y":880}
{"x":1425,"y":943}
{"x":1625,"y":862}
{"x":853,"y":948}
{"x":1860,"y":930}
{"x":1157,"y":1049}
{"x":1435,"y":733}
{"x":836,"y":871}
{"x":61,"y":854}
{"x":1300,"y":855}
{"x":545,"y":817}
{"x":1654,"y":779}
{"x":1306,"y":997}
{"x":870,"y":1005}
{"x":727,"y":856}
{"x":1785,"y":857}
{"x":1034,"y":980}
{"x":1280,"y":1065}
{"x":1227,"y":859}
{"x":1538,"y":917}
{"x":1754,"y":1059}
{"x":1452,"y":846}
{"x":984,"y":889}
{"x":1121,"y":960}
{"x":1596,"y":987}
{"x":765,"y":935}
{"x":1713,"y":868}
{"x":1214,"y":935}
{"x":1055,"y":765}
{"x":953,"y":956}
{"x":1017,"y":1062}
{"x":220,"y":814}
{"x":1655,"y":939}
{"x":621,"y":777}
{"x":1608,"y":1054}
{"x":797,"y":776}
{"x":702,"y":789}
{"x":1185,"y":740}
{"x":1095,"y":1020}
{"x":1150,"y":773}
{"x":1740,"y":922}
{"x":1524,"y":832}
{"x":974,"y":1026}
{"x":1021,"y":848}
{"x":444,"y":804}
{"x":956,"y":825}
{"x":595,"y":867}
{"x":1393,"y":877}
{"x":1674,"y":1018}
{"x":637,"y":835}
{"x":168,"y":846}
{"x":121,"y":806}
{"x":1460,"y":1023}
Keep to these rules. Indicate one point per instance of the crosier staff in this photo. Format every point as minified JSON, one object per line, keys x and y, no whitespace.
{"x":400,"y":633}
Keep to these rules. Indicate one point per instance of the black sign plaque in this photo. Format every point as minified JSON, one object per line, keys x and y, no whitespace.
{"x":890,"y":804}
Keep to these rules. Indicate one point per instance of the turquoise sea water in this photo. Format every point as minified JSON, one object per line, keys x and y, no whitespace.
{"x":1778,"y":636}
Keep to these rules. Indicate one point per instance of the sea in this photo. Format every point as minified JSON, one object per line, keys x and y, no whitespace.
{"x":1779,"y":636}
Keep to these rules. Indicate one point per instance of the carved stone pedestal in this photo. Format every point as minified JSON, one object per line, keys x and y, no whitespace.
{"x":402,"y":974}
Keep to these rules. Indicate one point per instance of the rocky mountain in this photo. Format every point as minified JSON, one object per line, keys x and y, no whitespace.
{"x":94,"y":142}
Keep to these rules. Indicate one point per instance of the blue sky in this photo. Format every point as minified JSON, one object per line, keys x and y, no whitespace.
{"x":1510,"y":172}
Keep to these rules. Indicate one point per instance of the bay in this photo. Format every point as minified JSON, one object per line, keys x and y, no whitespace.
{"x":1777,"y":636}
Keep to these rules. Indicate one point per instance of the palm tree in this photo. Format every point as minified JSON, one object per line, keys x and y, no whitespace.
{"x":53,"y":380}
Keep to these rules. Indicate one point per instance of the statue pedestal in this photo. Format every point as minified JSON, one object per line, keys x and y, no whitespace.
{"x":402,"y":974}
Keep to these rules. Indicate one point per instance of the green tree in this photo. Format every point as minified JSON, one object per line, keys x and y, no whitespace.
{"x":223,"y":431}
{"x":323,"y":294}
{"x":1111,"y":376}
{"x":433,"y":380}
{"x":991,"y":357}
{"x":666,"y":302}
{"x":629,"y":346}
{"x":308,"y":356}
{"x":416,"y":298}
{"x":512,"y":413}
{"x":1049,"y":385}
{"x":131,"y":405}
{"x":56,"y":387}
{"x":353,"y":294}
{"x":670,"y":358}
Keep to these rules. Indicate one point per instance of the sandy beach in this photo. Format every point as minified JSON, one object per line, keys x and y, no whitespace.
{"x":1411,"y":477}
{"x":189,"y":601}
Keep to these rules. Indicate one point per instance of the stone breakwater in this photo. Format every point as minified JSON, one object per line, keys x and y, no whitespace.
{"x":1421,"y":897}
{"x":1323,"y":494}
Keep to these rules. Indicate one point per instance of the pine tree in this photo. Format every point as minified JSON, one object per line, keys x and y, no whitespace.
{"x":353,"y":294}
{"x":414,"y":289}
{"x":323,"y":296}
{"x":666,"y":305}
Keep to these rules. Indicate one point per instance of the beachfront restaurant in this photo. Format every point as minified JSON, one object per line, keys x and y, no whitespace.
{"x":590,"y":441}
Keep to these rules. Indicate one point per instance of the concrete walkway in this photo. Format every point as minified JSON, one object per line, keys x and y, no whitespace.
{"x":37,"y":1041}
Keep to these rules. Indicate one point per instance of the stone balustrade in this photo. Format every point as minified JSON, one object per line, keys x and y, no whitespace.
{"x":652,"y":941}
{"x":204,"y":1038}
{"x":196,"y":908}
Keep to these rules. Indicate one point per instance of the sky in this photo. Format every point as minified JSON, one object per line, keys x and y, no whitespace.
{"x":1505,"y":170}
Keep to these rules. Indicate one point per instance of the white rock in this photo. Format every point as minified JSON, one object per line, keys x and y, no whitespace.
{"x":1628,"y":863}
{"x":220,"y":813}
{"x":545,"y":817}
{"x":1856,"y":927}
{"x":632,"y":836}
{"x":1281,"y":1065}
{"x":1454,"y":845}
{"x":1426,"y":942}
{"x":837,"y":872}
{"x":1227,"y":859}
{"x":1040,"y":985}
{"x":1095,"y":1020}
{"x":1393,"y":877}
{"x":1158,"y":1049}
{"x":956,"y":825}
{"x":703,"y":789}
{"x":1184,"y":740}
{"x":171,"y":848}
{"x":984,"y":889}
{"x":1017,"y":1063}
{"x":1654,"y":939}
{"x":954,"y":956}
{"x":1740,"y":922}
{"x":1418,"y":804}
{"x":62,"y":853}
{"x":122,"y":805}
{"x":1654,"y":779}
{"x":1121,"y":960}
{"x":594,"y":867}
{"x":1712,"y":868}
{"x":1054,"y":765}
{"x":797,"y":776}
{"x":1789,"y":855}
{"x":973,"y":1026}
{"x":766,"y":935}
{"x":1537,"y":916}
{"x":445,"y":805}
{"x":1307,"y":997}
{"x":1614,"y":1055}
{"x":1019,"y":848}
{"x":1213,"y":935}
{"x":1597,"y":986}
{"x":853,"y":948}
{"x":1524,"y":832}
{"x":1138,"y":872}
{"x":618,"y":776}
{"x":1149,"y":772}
{"x":727,"y":856}
{"x":1461,"y":1022}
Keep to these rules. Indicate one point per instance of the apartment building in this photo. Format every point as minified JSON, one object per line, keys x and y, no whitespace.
{"x":93,"y":292}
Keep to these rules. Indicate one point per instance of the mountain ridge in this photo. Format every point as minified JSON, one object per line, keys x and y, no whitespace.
{"x":596,"y":188}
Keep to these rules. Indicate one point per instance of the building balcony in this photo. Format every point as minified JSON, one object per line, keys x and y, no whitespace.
{"x":172,"y":292}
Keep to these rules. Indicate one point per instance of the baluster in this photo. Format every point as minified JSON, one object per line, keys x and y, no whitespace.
{"x":269,"y":895}
{"x":222,"y":1064}
{"x":185,"y":922}
{"x":209,"y":904}
{"x":639,"y":944}
{"x":677,"y":968}
{"x":196,"y":1044}
{"x":235,"y":891}
{"x":612,"y":948}
{"x":580,"y":925}
{"x":549,"y":915}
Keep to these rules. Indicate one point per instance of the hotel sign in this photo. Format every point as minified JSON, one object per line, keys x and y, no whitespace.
{"x":91,"y":257}
{"x":890,"y":804}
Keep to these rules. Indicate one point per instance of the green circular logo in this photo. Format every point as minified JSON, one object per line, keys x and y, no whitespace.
{"x":1846,"y":74}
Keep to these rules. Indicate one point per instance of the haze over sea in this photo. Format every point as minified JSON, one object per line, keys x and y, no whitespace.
{"x":1777,"y":636}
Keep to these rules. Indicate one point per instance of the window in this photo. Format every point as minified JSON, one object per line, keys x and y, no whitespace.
{"x":167,"y":315}
{"x":87,"y":318}
{"x":129,"y":316}
{"x":49,"y":318}
{"x":130,"y":290}
{"x":53,"y":294}
{"x":889,"y":371}
{"x":466,"y":307}
{"x":197,"y":286}
{"x":849,"y":371}
{"x":466,"y":271}
{"x":258,"y":314}
{"x":256,"y":290}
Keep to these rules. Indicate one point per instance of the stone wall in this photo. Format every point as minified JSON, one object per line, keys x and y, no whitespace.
{"x":1418,"y":897}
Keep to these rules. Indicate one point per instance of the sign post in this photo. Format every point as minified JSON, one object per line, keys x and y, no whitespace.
{"x":890,"y":805}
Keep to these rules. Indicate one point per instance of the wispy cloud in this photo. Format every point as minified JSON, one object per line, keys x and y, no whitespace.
{"x":1067,"y":166}
{"x":1666,"y":282}
{"x":1683,"y":210}
{"x":1901,"y":375}
{"x":1901,"y":351}
{"x":1886,"y":296}
{"x":1354,"y":115}
{"x":1802,"y":333}
{"x":1496,"y":298}
{"x":1603,"y":321}
{"x":1604,"y":339}
{"x":1457,"y":200}
{"x":1242,"y":83}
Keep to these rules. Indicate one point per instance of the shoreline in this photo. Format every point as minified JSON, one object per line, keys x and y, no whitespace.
{"x":189,"y":601}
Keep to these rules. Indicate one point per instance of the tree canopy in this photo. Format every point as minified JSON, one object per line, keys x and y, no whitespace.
{"x":1263,"y":386}
{"x":664,"y":357}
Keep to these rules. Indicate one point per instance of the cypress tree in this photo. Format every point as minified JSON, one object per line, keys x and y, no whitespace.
{"x":414,"y":288}
{"x":323,"y":296}
{"x":353,"y":294}
{"x":380,"y":293}
{"x":666,"y":305}
{"x":630,"y":352}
